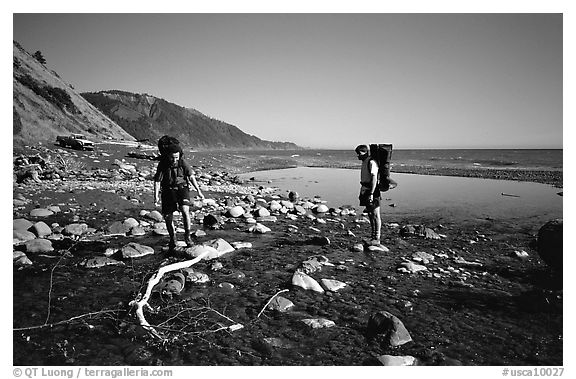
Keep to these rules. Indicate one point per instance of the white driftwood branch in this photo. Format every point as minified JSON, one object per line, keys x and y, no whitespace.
{"x":141,"y":302}
{"x":269,"y":301}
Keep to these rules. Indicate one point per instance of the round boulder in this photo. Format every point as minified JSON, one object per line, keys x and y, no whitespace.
{"x":39,"y":245}
{"x":41,"y":229}
{"x":550,"y":246}
{"x":236,"y":211}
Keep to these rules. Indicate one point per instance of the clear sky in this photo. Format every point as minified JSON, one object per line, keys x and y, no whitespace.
{"x":328,"y":80}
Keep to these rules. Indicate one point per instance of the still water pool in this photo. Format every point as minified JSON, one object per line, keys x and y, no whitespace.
{"x":425,"y":195}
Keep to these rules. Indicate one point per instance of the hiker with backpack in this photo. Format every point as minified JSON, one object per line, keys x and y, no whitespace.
{"x":374,"y":178}
{"x":172,"y":183}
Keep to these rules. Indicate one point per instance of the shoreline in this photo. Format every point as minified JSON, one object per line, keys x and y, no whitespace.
{"x":243,"y":164}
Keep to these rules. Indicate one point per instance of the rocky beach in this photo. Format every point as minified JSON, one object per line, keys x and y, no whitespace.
{"x":273,"y":278}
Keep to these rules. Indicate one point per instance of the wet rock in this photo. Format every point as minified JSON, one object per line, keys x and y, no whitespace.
{"x":20,"y":259}
{"x":262,"y":212}
{"x":300,"y":210}
{"x":280,"y":304}
{"x":358,"y":247}
{"x":226,"y":286}
{"x":209,"y":203}
{"x":117,"y":228}
{"x":431,"y":234}
{"x":385,"y":325}
{"x":236,"y":211}
{"x":40,"y":212}
{"x":135,"y":250}
{"x":160,"y":229}
{"x":41,"y":229}
{"x":199,"y":233}
{"x":171,"y":284}
{"x":403,"y":360}
{"x":216,"y":266}
{"x":98,"y":262}
{"x":332,"y":285}
{"x":275,"y":206}
{"x":195,"y":276}
{"x":267,"y":219}
{"x":196,"y":251}
{"x":20,"y":236}
{"x":75,"y":229}
{"x":211,"y":222}
{"x":54,"y":208}
{"x":316,"y":323}
{"x":278,"y":342}
{"x":21,"y":224}
{"x":220,"y":245}
{"x":421,"y":256}
{"x":412,"y":268}
{"x":293,"y":196}
{"x":242,"y":245}
{"x":131,"y":223}
{"x":550,"y":243}
{"x":137,"y":231}
{"x":155,"y":216}
{"x":39,"y":245}
{"x":302,"y":280}
{"x":259,"y":228}
{"x":322,"y":208}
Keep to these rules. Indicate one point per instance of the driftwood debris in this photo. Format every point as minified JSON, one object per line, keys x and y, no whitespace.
{"x":141,"y":301}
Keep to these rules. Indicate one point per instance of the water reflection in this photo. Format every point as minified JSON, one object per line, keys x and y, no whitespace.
{"x":423,"y":194}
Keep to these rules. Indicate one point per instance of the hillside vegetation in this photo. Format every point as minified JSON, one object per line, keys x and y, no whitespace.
{"x":44,"y":106}
{"x":149,"y":117}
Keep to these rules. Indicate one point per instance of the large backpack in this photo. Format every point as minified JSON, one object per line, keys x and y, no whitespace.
{"x":382,"y":154}
{"x":165,"y":141}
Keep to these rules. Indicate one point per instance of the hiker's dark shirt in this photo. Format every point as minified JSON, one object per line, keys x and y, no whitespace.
{"x":172,"y":177}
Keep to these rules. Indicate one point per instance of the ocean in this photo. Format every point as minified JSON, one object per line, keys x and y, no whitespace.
{"x":439,"y":196}
{"x":541,"y":159}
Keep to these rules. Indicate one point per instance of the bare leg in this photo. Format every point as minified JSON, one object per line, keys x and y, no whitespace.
{"x":377,"y":223}
{"x":185,"y":210}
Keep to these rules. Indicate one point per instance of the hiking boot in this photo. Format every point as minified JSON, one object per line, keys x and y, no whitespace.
{"x":374,"y":242}
{"x":171,"y":246}
{"x":188,"y":240}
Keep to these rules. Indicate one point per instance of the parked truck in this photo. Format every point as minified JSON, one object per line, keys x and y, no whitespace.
{"x":75,"y":141}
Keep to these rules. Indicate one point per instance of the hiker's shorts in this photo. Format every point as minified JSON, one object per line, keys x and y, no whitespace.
{"x":174,"y":198}
{"x":364,"y":194}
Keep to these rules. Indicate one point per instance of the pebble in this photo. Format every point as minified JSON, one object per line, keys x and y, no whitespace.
{"x":98,"y":262}
{"x":242,"y":245}
{"x":135,"y":250}
{"x":259,"y":228}
{"x":391,"y":360}
{"x":302,"y":280}
{"x":316,"y":323}
{"x":281,"y":304}
{"x":410,"y":267}
{"x":41,"y":212}
{"x":155,"y":216}
{"x":332,"y":285}
{"x":75,"y":229}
